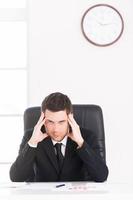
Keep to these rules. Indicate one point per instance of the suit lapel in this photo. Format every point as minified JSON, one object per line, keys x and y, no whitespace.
{"x":70,"y":151}
{"x":49,"y":149}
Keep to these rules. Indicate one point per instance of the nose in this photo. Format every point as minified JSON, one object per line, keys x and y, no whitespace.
{"x":56,"y":127}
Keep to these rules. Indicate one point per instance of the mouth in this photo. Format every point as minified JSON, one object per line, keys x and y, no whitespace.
{"x":56,"y":136}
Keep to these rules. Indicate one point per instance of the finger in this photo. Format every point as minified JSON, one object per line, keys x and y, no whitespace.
{"x":42,"y":123}
{"x":41,"y":118}
{"x":44,"y":120}
{"x":39,"y":125}
{"x":71,"y":118}
{"x":70,"y":122}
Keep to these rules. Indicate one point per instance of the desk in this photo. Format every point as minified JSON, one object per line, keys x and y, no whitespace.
{"x":71,"y":190}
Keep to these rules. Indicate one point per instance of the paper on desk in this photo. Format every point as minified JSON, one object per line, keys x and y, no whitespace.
{"x":81,"y":187}
{"x":51,"y":187}
{"x":75,"y":187}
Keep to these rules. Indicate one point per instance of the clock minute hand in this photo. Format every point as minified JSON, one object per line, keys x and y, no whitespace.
{"x":102,"y":23}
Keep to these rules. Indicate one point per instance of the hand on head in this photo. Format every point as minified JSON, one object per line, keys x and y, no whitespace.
{"x":38,"y":135}
{"x":75,"y":133}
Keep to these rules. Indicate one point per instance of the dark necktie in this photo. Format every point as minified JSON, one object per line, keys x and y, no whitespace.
{"x":59,"y":155}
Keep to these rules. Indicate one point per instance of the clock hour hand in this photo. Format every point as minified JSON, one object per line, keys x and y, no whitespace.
{"x":103,"y":22}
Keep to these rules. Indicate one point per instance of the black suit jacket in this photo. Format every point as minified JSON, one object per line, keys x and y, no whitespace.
{"x":40,"y":164}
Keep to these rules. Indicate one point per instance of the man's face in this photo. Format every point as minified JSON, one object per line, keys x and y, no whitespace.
{"x":56,"y":124}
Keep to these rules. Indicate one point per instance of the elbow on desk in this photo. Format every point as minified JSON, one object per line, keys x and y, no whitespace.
{"x":102,"y":176}
{"x":14,"y":177}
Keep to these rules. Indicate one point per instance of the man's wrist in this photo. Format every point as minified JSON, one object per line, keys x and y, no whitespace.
{"x":32,"y":143}
{"x":80,"y":143}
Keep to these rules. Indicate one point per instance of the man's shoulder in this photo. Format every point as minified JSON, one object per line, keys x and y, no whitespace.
{"x":28,"y":131}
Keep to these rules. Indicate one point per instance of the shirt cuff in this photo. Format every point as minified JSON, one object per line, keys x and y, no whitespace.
{"x":32,"y":145}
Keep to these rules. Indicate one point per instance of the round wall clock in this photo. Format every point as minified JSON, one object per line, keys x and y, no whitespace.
{"x":102,"y":25}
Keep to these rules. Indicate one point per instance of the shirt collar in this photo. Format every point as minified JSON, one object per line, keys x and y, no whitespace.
{"x":62,"y":141}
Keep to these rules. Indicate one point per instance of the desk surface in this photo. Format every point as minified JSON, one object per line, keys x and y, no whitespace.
{"x":75,"y":190}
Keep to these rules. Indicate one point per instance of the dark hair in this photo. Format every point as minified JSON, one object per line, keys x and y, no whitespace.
{"x":56,"y":102}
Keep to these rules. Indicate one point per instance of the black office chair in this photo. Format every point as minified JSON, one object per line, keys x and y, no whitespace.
{"x":87,"y":116}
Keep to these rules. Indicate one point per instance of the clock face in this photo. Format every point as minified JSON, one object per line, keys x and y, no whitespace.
{"x":102,"y":25}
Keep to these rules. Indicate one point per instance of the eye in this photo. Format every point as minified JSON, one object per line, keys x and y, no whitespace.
{"x":50,"y":122}
{"x":62,"y":122}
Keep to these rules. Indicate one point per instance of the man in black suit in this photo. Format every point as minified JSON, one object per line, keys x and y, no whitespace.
{"x":58,"y":149}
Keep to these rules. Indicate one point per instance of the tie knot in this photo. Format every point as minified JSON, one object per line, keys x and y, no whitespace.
{"x":58,"y":146}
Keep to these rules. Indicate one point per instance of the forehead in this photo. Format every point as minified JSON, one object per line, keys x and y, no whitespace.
{"x":56,"y":116}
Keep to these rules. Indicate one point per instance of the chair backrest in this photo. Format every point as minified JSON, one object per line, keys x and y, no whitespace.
{"x":87,"y":116}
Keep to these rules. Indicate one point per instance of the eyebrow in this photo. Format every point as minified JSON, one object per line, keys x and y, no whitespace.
{"x":58,"y":121}
{"x":63,"y":120}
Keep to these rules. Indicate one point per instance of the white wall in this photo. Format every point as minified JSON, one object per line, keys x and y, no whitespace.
{"x":60,"y":59}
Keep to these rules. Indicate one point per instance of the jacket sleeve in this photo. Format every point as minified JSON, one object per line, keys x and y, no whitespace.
{"x":93,"y":162}
{"x":23,"y":167}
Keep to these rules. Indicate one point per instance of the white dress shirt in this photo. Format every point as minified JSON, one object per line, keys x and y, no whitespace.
{"x":63,"y":146}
